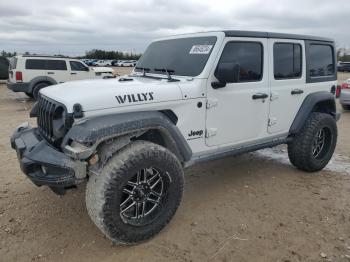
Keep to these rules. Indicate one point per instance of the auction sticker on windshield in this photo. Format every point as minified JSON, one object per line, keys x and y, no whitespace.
{"x":200,"y":49}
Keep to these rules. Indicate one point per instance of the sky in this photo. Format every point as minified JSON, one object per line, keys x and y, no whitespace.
{"x":71,"y":27}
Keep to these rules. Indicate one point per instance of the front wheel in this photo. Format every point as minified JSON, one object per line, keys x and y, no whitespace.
{"x":313,"y":147}
{"x":136,"y":194}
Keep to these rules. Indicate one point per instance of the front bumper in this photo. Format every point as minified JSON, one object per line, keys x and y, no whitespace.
{"x":44,"y":164}
{"x":18,"y":87}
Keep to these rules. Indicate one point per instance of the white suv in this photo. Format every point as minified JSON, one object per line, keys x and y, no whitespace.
{"x":29,"y":74}
{"x":191,"y":98}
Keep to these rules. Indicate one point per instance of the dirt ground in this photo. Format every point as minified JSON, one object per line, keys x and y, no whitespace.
{"x":255,"y":207}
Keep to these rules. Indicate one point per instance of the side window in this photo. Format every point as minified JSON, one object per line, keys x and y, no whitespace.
{"x":42,"y":64}
{"x":36,"y":64}
{"x":77,"y":66}
{"x":287,"y":61}
{"x":56,"y":65}
{"x":248,"y":56}
{"x":321,"y":60}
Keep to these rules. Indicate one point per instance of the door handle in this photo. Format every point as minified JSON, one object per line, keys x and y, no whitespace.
{"x":73,"y":73}
{"x":297,"y":92}
{"x":260,"y":96}
{"x":50,"y":73}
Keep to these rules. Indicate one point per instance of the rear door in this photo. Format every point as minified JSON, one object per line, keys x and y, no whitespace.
{"x":287,"y":82}
{"x":238,"y":112}
{"x":57,"y":69}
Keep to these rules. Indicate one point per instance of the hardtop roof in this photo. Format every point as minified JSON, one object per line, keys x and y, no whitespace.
{"x":260,"y":34}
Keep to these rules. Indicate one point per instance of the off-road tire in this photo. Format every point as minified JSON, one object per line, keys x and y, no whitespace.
{"x":346,"y":107}
{"x":104,"y":191}
{"x":300,"y":149}
{"x":37,"y":88}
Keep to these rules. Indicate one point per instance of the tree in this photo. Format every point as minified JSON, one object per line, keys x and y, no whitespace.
{"x":102,"y":54}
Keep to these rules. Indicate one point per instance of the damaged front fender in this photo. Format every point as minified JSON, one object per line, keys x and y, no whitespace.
{"x":83,"y":138}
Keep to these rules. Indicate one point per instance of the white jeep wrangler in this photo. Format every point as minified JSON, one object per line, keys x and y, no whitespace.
{"x":191,"y":98}
{"x":29,"y":74}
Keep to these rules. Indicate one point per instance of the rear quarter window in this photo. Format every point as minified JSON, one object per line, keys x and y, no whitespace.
{"x":321,"y":64}
{"x":36,"y":64}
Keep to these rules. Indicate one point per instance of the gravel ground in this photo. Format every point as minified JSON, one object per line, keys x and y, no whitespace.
{"x":255,"y":207}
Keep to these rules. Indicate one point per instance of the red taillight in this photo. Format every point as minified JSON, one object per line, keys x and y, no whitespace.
{"x":338,"y":91}
{"x":344,"y":85}
{"x":19,"y":76}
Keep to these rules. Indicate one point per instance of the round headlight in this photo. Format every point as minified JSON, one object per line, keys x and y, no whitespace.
{"x":58,"y":122}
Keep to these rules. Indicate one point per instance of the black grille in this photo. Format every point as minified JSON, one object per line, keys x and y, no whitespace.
{"x":46,"y":109}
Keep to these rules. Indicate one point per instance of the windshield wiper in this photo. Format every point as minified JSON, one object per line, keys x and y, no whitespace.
{"x":168,"y":73}
{"x":144,"y":70}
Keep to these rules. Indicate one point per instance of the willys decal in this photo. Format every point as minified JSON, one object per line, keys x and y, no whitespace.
{"x":135,"y":98}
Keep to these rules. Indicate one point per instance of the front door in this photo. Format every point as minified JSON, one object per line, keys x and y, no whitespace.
{"x":79,"y":71}
{"x":238,"y":112}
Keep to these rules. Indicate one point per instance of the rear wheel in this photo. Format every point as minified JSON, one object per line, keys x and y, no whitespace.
{"x":314,"y":146}
{"x":37,"y":88}
{"x":136,"y":194}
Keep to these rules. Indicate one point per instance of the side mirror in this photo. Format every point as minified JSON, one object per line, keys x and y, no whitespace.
{"x":226,"y":73}
{"x":87,"y":69}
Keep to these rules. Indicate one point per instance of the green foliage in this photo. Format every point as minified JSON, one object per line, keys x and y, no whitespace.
{"x":102,"y":54}
{"x":342,"y":55}
{"x":7,"y":54}
{"x":344,"y":58}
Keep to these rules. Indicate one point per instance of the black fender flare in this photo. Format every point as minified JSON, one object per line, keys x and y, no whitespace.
{"x":40,"y":79}
{"x":311,"y":104}
{"x":94,"y":131}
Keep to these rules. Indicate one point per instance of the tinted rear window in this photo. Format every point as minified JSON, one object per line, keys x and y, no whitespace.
{"x":41,"y":64}
{"x":321,"y":60}
{"x":287,"y":60}
{"x":56,"y":65}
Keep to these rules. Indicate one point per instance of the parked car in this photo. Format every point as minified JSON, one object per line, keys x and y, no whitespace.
{"x":91,"y":62}
{"x":103,"y":63}
{"x":191,"y":99}
{"x":115,"y":62}
{"x":344,"y":67}
{"x":29,"y":74}
{"x":127,"y":64}
{"x":344,"y":98}
{"x":4,"y":68}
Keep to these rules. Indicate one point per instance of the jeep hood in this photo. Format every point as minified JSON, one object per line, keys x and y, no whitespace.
{"x":108,"y":93}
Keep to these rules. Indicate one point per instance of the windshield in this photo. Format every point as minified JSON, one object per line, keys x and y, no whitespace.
{"x":184,"y":57}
